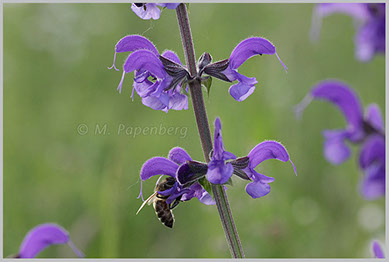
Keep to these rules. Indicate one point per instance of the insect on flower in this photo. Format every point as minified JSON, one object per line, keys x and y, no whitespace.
{"x":163,"y":209}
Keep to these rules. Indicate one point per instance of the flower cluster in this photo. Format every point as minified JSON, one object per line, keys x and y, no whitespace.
{"x":370,"y":38}
{"x":219,"y":170}
{"x":42,"y":236}
{"x":159,"y":79}
{"x":366,"y":130}
{"x":150,"y":10}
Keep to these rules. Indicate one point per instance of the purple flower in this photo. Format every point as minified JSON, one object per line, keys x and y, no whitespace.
{"x":367,"y":129}
{"x":372,"y":162}
{"x":185,"y":188}
{"x":221,"y":167}
{"x":370,"y":17}
{"x":157,"y":77}
{"x":377,"y":250}
{"x":227,"y":70}
{"x":150,"y":10}
{"x":42,"y":236}
{"x":219,"y":171}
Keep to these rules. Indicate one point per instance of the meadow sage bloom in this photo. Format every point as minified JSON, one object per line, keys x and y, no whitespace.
{"x":42,"y":236}
{"x":224,"y":164}
{"x":227,"y":70}
{"x":157,"y":78}
{"x":370,"y":17}
{"x":169,"y":167}
{"x":377,"y":250}
{"x":365,"y":129}
{"x":150,"y":10}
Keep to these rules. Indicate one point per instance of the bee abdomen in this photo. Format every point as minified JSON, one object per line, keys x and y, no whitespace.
{"x":164,"y":213}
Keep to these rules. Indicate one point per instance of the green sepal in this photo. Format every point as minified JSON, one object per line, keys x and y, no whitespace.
{"x":206,"y":185}
{"x":229,"y":182}
{"x":207,"y":83}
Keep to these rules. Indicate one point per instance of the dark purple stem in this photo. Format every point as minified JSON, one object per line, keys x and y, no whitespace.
{"x":205,"y":134}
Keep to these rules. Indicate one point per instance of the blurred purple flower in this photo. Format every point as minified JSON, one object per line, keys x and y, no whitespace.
{"x":185,"y":188}
{"x":227,"y":70}
{"x":377,"y":250}
{"x":147,"y":11}
{"x":372,"y":162}
{"x":42,"y":236}
{"x":220,"y":169}
{"x":370,"y":18}
{"x":157,"y":77}
{"x":367,"y":129}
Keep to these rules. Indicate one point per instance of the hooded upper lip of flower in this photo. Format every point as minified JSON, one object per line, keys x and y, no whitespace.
{"x":358,"y":126}
{"x":150,"y":10}
{"x":370,"y":38}
{"x":165,"y":92}
{"x":170,"y":166}
{"x":42,"y":236}
{"x":227,"y":70}
{"x":223,"y":164}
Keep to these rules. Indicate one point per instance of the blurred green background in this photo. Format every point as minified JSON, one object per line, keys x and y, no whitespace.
{"x":56,"y":79}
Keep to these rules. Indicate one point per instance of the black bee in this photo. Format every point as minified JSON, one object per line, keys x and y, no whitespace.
{"x":162,"y":209}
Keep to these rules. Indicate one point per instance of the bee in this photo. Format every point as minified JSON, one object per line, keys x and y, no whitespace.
{"x":162,"y":209}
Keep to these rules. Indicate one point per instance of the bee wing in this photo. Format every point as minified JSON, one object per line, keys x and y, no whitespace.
{"x":147,"y":201}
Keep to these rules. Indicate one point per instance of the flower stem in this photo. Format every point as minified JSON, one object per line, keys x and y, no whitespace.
{"x":205,"y":134}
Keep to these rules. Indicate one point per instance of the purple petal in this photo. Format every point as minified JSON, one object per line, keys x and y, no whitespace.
{"x":146,"y":12}
{"x":41,"y":237}
{"x":335,"y":149}
{"x":158,"y":166}
{"x":177,"y":194}
{"x":374,"y":117}
{"x":171,"y":56}
{"x":133,"y":43}
{"x":372,"y":150}
{"x":244,"y":88}
{"x":219,"y":172}
{"x":178,"y":102}
{"x":196,"y":190}
{"x":267,"y":150}
{"x":364,"y":42}
{"x":218,"y":149}
{"x":373,"y":184}
{"x":358,"y":11}
{"x":154,"y":103}
{"x":169,"y":5}
{"x":169,"y":191}
{"x":179,"y":155}
{"x":144,"y":60}
{"x":257,"y":189}
{"x":248,"y":48}
{"x":377,"y":250}
{"x":344,"y":98}
{"x":206,"y":198}
{"x":145,"y":88}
